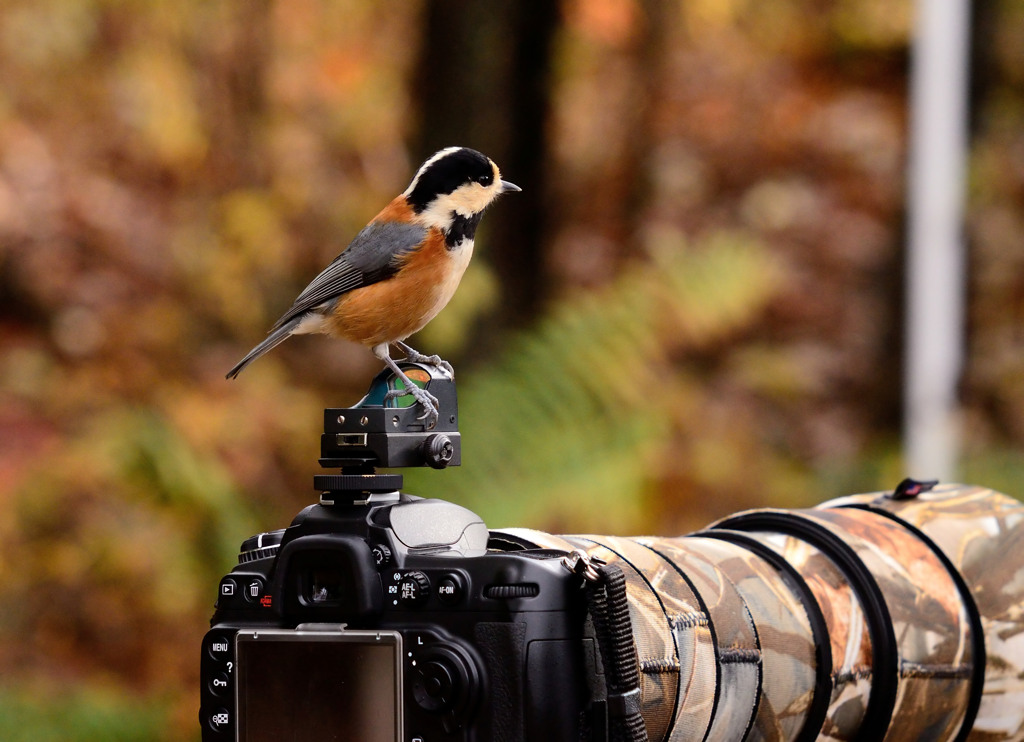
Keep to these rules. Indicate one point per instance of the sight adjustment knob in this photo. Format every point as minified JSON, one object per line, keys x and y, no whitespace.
{"x":438,"y":450}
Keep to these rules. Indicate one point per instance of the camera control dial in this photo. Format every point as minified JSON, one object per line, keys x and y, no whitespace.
{"x":260,"y":546}
{"x":381,"y":554}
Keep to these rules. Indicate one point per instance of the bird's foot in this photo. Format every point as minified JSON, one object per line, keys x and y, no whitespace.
{"x":425,"y":399}
{"x":414,"y":356}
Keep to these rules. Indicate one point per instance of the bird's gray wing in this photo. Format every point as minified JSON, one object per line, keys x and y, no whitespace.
{"x":372,"y":256}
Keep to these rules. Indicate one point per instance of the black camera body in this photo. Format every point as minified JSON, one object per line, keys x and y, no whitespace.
{"x":378,"y":616}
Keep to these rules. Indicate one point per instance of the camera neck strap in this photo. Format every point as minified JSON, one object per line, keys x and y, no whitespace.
{"x":609,"y":611}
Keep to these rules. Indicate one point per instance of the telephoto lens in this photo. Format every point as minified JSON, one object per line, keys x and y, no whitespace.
{"x":884,"y":616}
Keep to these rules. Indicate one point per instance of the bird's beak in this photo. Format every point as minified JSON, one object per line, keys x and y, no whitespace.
{"x":507,"y":187}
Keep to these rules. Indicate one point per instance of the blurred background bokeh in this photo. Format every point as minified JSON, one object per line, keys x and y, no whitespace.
{"x":695,"y":305}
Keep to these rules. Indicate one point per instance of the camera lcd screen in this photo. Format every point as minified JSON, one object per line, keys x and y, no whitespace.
{"x":343,"y":686}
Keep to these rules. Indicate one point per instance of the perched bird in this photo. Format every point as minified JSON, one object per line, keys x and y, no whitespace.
{"x":401,"y":269}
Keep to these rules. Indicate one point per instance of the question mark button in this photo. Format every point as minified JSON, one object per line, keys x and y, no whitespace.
{"x":220,"y":683}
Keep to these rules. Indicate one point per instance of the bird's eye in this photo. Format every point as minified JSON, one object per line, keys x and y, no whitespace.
{"x":485,"y":180}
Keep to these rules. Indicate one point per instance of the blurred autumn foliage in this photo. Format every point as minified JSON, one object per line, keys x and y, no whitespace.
{"x":693,"y":307}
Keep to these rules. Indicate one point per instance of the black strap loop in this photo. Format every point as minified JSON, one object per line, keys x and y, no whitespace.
{"x":609,"y":609}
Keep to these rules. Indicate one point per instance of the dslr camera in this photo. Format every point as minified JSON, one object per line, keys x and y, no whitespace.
{"x":378,"y":616}
{"x":382,"y":617}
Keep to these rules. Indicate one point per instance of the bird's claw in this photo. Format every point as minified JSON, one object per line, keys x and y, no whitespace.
{"x":438,"y":362}
{"x":414,"y":356}
{"x":425,"y":399}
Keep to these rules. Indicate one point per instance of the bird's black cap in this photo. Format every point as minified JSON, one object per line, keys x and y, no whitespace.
{"x":446,"y":171}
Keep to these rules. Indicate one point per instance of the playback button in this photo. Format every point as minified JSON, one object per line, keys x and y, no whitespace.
{"x":229,"y":593}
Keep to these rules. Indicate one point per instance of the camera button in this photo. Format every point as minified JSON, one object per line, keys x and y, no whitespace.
{"x":252,"y":589}
{"x":219,"y":683}
{"x":434,"y":688}
{"x":414,"y":589}
{"x":220,"y":720}
{"x":228,"y":590}
{"x":449,"y":589}
{"x":218,"y":646}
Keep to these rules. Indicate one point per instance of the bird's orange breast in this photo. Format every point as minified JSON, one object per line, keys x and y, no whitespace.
{"x":397,"y":307}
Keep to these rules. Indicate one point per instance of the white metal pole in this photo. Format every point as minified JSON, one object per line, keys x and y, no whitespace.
{"x":936,"y":261}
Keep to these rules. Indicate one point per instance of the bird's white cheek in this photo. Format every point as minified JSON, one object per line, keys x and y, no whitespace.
{"x":465,"y":201}
{"x":469,"y":200}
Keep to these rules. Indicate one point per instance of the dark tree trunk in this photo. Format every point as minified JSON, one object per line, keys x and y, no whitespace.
{"x":483,"y":81}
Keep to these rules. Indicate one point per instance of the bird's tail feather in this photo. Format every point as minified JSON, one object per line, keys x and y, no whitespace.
{"x":275,"y":338}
